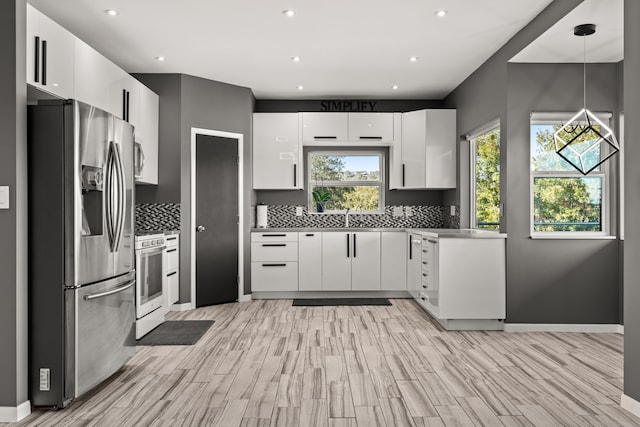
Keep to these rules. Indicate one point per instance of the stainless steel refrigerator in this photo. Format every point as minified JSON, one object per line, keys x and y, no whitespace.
{"x":81,"y":249}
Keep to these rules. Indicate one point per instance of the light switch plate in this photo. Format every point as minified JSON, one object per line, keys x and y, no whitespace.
{"x":298,"y":210}
{"x":397,"y":211}
{"x":452,"y":210}
{"x":4,"y":197}
{"x":408,"y":211}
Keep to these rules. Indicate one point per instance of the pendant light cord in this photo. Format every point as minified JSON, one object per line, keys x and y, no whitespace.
{"x":584,"y":71}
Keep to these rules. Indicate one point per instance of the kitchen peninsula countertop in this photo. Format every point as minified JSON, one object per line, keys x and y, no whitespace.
{"x":465,"y":233}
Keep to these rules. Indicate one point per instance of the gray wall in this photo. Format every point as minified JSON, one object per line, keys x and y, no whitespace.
{"x":186,"y":102}
{"x":13,"y":222}
{"x":555,"y":281}
{"x":632,"y":200}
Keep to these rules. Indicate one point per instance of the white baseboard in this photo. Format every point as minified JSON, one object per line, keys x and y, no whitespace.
{"x":570,"y":327}
{"x":11,"y":414}
{"x":630,"y":404}
{"x":186,"y":306}
{"x":245,"y":298}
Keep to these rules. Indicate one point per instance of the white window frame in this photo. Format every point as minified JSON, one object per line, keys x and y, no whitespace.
{"x":380,"y":183}
{"x":604,"y":174}
{"x":488,"y":127}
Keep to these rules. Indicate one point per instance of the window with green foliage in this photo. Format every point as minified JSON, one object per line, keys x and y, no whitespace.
{"x":563,"y":199}
{"x":346,"y":180}
{"x":485,"y":194}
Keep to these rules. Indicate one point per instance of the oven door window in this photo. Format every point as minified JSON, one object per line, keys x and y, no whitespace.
{"x":150,"y":285}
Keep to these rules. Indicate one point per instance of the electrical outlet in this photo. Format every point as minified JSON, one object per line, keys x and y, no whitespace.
{"x":397,"y":211}
{"x":298,"y":210}
{"x":452,"y":210}
{"x":45,"y":379}
{"x":408,"y":211}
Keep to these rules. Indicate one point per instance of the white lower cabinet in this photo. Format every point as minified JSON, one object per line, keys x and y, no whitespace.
{"x":351,"y":261}
{"x":310,"y":261}
{"x":274,"y":262}
{"x":171,"y":259}
{"x":393,"y":260}
{"x":414,"y":265}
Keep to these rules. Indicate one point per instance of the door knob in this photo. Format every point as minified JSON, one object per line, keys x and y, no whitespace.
{"x":200,"y":228}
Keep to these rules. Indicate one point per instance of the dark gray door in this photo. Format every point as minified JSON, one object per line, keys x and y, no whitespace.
{"x":216,"y":220}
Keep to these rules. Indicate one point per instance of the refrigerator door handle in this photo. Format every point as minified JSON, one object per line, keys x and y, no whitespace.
{"x":109,"y":196}
{"x":121,"y":197}
{"x":110,"y":292}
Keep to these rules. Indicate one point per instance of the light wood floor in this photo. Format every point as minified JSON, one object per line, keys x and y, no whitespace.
{"x":266,"y":363}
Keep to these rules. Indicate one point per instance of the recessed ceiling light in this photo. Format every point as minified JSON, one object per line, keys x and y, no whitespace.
{"x":300,"y":87}
{"x":56,"y":85}
{"x":440,"y":13}
{"x":413,"y":59}
{"x":289,"y":13}
{"x":394,"y":87}
{"x":111,"y":12}
{"x":161,"y":58}
{"x":295,"y":59}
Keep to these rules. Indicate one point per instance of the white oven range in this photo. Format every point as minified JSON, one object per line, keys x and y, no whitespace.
{"x":151,"y":290}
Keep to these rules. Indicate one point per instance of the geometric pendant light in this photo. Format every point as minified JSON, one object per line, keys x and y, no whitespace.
{"x":585,"y":147}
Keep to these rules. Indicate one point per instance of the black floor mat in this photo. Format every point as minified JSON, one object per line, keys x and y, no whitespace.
{"x":340,"y":301}
{"x":176,"y":332}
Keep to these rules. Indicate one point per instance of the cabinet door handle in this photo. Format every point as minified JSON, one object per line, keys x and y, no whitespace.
{"x":379,"y":138}
{"x":124,"y":104}
{"x":172,"y":274}
{"x":295,"y":175}
{"x":37,"y":61}
{"x":171,"y":250}
{"x":128,"y":93}
{"x":403,"y":174}
{"x":410,"y":248}
{"x":354,"y":245}
{"x":325,"y":137}
{"x":273,"y":244}
{"x":274,"y":265}
{"x":44,"y":62}
{"x":348,"y":246}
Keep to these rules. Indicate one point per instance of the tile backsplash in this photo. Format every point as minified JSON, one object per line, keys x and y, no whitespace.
{"x":284,"y":216}
{"x":157,"y":217}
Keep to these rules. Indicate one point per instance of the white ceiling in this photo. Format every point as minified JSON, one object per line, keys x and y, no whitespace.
{"x":558,"y":44}
{"x":348,"y":49}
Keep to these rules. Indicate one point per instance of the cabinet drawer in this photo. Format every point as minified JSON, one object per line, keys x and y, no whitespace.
{"x":274,"y":251}
{"x":274,"y":236}
{"x":274,"y":276}
{"x":172,"y":257}
{"x":371,"y":127}
{"x":173,"y":283}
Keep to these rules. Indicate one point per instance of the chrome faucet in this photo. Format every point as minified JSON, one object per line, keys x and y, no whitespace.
{"x":346,"y":218}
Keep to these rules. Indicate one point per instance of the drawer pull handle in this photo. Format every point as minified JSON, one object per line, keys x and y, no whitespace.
{"x":424,"y":274}
{"x":171,"y":250}
{"x":274,"y":244}
{"x":274,"y":235}
{"x":310,"y":235}
{"x":433,"y":241}
{"x":171,"y":238}
{"x":325,"y":137}
{"x":274,"y":265}
{"x":371,"y":137}
{"x":424,"y":286}
{"x":172,"y":274}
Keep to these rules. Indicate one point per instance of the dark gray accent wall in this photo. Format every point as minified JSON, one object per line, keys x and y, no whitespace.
{"x":555,"y":281}
{"x":168,"y":88}
{"x":381,"y":105}
{"x":186,"y":102}
{"x":392,"y":197}
{"x":632,"y":200}
{"x":13,"y":221}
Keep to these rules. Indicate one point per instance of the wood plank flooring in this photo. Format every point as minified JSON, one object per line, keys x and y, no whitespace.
{"x":266,"y":363}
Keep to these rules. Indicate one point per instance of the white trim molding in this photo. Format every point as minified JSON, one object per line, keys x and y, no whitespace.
{"x":186,"y":306}
{"x":240,"y":138}
{"x":630,"y":404}
{"x":245,"y":298}
{"x":570,"y":327}
{"x":11,"y":414}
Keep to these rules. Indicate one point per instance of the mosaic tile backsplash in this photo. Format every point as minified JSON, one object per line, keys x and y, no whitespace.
{"x":284,"y":216}
{"x":157,"y":217}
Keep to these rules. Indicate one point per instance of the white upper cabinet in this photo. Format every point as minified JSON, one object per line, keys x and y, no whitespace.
{"x":92,"y":76}
{"x":49,"y":55}
{"x":427,"y":153}
{"x":124,"y":97}
{"x":325,"y":127}
{"x":146,"y":136}
{"x":371,"y":127}
{"x":277,"y":152}
{"x":357,"y":128}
